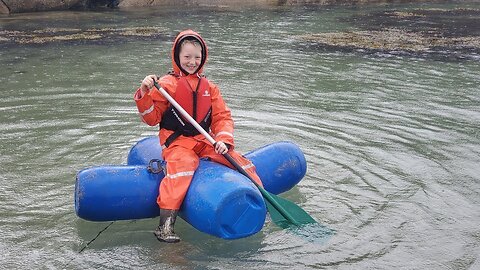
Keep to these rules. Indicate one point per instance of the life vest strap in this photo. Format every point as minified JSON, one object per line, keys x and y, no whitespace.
{"x":172,"y":137}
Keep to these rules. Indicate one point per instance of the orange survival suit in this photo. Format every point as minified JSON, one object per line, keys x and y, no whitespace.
{"x":182,"y":146}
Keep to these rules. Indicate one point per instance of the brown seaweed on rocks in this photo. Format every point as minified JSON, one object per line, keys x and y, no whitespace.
{"x":452,"y":34}
{"x":57,"y":35}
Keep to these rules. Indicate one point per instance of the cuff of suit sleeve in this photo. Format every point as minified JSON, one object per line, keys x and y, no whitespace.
{"x":138,"y":95}
{"x":144,"y":102}
{"x":228,"y":140}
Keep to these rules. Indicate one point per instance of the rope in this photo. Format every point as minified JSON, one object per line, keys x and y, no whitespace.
{"x":98,"y":234}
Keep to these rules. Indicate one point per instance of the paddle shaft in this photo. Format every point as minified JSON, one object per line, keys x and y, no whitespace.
{"x":192,"y":121}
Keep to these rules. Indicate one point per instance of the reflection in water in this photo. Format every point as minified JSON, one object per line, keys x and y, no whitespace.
{"x":314,"y":233}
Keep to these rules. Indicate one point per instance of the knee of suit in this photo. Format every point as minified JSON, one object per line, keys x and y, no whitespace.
{"x":185,"y":160}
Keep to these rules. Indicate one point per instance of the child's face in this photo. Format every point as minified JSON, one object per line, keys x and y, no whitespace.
{"x":190,"y":57}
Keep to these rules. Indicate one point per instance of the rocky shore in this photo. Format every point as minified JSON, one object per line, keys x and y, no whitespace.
{"x":17,"y":6}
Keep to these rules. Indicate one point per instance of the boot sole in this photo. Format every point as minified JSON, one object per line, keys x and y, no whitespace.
{"x":175,"y":240}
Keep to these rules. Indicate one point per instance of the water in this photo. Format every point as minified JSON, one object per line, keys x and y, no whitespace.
{"x":392,"y":143}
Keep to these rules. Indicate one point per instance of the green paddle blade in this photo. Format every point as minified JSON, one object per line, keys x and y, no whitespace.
{"x":285,"y":213}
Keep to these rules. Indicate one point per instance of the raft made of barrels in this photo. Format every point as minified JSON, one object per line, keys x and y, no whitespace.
{"x":220,"y":201}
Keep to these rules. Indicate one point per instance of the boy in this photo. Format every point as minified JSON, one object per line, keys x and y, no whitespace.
{"x":182,"y":145}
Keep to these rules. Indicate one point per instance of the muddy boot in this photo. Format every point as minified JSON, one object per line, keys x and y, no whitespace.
{"x":165,"y":232}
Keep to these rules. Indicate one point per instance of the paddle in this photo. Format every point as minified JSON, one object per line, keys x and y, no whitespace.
{"x":283,"y":212}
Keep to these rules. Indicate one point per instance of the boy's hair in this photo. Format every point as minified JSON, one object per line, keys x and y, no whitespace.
{"x":192,"y":41}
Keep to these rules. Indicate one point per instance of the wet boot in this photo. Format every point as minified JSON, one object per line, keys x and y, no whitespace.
{"x":165,"y":232}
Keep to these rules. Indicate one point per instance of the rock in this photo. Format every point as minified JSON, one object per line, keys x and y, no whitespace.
{"x":15,"y":6}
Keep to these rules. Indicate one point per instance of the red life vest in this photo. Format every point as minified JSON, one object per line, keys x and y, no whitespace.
{"x":197,"y":103}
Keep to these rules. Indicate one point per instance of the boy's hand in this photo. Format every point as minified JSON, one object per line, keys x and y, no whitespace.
{"x":221,"y":148}
{"x":147,"y":84}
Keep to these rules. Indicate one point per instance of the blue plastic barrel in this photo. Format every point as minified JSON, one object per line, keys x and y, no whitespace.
{"x":223,"y":203}
{"x":106,"y":193}
{"x":145,"y":150}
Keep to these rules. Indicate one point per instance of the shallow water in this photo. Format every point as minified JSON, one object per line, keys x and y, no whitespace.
{"x":392,"y":142}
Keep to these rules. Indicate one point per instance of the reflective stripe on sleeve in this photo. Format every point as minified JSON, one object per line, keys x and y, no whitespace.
{"x":149,"y":110}
{"x":224,"y":132}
